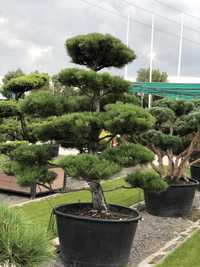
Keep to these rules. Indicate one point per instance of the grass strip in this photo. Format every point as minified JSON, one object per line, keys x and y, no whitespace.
{"x":187,"y":255}
{"x":39,"y":212}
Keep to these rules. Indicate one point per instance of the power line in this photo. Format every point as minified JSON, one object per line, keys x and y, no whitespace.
{"x":177,"y":10}
{"x":161,"y":16}
{"x":139,"y":22}
{"x":115,"y":13}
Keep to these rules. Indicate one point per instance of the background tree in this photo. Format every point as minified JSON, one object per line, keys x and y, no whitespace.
{"x":12,"y":74}
{"x":157,"y":75}
{"x":16,"y":87}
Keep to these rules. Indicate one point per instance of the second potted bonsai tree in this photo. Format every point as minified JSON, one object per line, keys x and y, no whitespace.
{"x":29,"y":163}
{"x":169,"y":191}
{"x":17,"y":119}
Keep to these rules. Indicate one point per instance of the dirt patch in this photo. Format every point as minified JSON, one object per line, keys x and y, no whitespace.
{"x":110,"y":215}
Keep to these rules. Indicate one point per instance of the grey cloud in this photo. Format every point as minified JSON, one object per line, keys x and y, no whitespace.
{"x":43,"y":26}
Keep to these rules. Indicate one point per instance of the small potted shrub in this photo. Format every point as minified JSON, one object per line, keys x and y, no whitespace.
{"x":169,"y":191}
{"x":21,"y":242}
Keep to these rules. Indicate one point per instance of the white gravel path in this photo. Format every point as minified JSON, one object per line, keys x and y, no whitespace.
{"x":12,"y":198}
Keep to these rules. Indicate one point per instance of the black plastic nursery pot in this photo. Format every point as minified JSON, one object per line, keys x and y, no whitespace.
{"x":92,"y":242}
{"x":195,"y":172}
{"x":195,"y":168}
{"x":175,"y":201}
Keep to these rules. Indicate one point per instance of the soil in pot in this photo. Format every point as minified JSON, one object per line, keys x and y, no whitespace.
{"x":87,"y":212}
{"x":175,"y":201}
{"x":87,"y":241}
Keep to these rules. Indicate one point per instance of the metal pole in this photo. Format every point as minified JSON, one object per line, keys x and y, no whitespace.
{"x":127,"y":43}
{"x":180,"y":46}
{"x":51,"y":85}
{"x":151,"y":59}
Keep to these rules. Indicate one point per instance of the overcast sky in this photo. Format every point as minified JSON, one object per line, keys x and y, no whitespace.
{"x":33,"y":32}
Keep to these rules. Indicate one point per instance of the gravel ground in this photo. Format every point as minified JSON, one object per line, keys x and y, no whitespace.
{"x":152,"y":234}
{"x":12,"y":198}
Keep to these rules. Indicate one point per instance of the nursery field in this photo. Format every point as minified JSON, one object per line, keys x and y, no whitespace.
{"x":39,"y":212}
{"x":187,"y":255}
{"x":97,"y":114}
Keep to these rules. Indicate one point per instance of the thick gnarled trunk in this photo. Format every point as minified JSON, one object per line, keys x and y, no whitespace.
{"x":24,"y":127}
{"x":177,"y":164}
{"x":96,"y":104}
{"x":98,"y":199}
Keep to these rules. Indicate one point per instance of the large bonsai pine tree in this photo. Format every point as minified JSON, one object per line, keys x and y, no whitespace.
{"x":82,"y":130}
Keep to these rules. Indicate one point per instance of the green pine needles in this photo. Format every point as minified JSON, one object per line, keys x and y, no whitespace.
{"x":22,"y":243}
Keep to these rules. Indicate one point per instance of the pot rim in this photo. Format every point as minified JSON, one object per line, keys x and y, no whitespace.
{"x":83,"y":218}
{"x":194,"y":184}
{"x":196,"y":165}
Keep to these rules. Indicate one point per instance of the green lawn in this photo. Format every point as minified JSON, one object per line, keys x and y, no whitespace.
{"x":39,"y":212}
{"x":187,"y":255}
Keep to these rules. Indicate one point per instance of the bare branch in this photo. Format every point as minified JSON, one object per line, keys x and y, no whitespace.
{"x":160,"y":168}
{"x":194,"y":162}
{"x":187,"y":154}
{"x":157,"y":169}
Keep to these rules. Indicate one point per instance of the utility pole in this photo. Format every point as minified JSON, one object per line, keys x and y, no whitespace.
{"x":180,"y":46}
{"x":127,"y":43}
{"x":151,"y":59}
